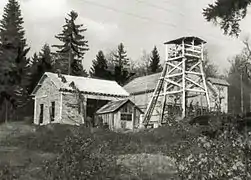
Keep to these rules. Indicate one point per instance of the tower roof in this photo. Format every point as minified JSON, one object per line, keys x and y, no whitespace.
{"x":187,"y":39}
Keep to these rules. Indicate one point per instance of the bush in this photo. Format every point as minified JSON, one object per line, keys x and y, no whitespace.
{"x":222,"y":156}
{"x":82,"y":158}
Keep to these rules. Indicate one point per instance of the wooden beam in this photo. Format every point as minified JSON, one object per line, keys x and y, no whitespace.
{"x":169,"y":93}
{"x":174,"y":67}
{"x":194,"y":66}
{"x":174,"y":75}
{"x":174,"y":58}
{"x":163,"y":104}
{"x":196,"y":90}
{"x":195,"y":73}
{"x":173,"y":82}
{"x":192,"y":50}
{"x":195,"y":83}
{"x":183,"y":82}
{"x":195,"y":46}
{"x":173,"y":92}
{"x":204,"y":79}
{"x":192,"y":55}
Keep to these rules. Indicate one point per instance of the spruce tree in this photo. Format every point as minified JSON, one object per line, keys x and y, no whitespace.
{"x":71,"y":53}
{"x":99,"y":66}
{"x":155,"y":61}
{"x":121,"y":69}
{"x":13,"y":56}
{"x":40,"y":64}
{"x":45,"y":58}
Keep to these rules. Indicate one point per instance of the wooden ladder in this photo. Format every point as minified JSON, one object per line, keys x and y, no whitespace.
{"x":154,"y":98}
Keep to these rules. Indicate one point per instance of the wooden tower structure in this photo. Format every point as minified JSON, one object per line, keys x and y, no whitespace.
{"x":182,"y":77}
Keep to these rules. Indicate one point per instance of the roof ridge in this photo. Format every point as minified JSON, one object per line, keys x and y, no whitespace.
{"x":82,"y":77}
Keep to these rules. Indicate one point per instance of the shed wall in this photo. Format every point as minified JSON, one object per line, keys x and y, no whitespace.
{"x":142,"y":100}
{"x":70,"y":110}
{"x":46,"y":94}
{"x":115,"y":122}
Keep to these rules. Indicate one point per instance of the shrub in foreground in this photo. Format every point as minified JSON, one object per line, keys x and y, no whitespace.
{"x":226,"y":155}
{"x":81,"y":158}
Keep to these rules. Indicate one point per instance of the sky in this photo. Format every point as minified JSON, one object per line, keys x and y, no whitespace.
{"x":138,"y":24}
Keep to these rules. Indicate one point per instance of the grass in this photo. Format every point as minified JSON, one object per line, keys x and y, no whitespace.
{"x":144,"y":154}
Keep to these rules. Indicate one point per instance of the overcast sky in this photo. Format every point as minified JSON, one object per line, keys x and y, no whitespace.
{"x":139,"y":24}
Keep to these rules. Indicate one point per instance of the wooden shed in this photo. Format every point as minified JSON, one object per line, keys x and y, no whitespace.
{"x":121,"y":114}
{"x":56,"y":101}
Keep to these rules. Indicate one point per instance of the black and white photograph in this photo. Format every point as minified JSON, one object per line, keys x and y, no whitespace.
{"x":125,"y":90}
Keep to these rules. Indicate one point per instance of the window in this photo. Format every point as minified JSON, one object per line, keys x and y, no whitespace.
{"x":41,"y":115}
{"x":126,"y":117}
{"x":52,"y":111}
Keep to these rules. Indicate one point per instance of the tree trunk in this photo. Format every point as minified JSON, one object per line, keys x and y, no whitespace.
{"x":69,"y":62}
{"x":6,"y":111}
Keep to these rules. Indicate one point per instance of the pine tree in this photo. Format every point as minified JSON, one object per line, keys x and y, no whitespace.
{"x":45,"y":57}
{"x":99,"y":66}
{"x":71,"y":53}
{"x":13,"y":55}
{"x":40,"y":64}
{"x":121,"y":72}
{"x":155,"y":61}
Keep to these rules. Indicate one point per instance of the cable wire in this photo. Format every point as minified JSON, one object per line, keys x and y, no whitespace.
{"x":130,"y":14}
{"x":156,"y":6}
{"x":144,"y":17}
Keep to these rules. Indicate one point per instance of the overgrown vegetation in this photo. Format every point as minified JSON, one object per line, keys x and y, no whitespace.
{"x":216,"y":150}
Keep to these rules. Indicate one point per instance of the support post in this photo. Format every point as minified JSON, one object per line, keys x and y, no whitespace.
{"x":242,"y":102}
{"x":163,"y":104}
{"x":183,"y":81}
{"x":250,"y":102}
{"x":203,"y":77}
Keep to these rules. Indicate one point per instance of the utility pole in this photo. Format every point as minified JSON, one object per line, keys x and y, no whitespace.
{"x":242,"y":103}
{"x":249,"y":102}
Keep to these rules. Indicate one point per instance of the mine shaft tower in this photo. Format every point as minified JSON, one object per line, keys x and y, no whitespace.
{"x":182,"y":76}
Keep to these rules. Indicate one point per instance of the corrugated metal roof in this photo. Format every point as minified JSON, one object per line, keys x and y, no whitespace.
{"x":112,"y":106}
{"x":218,"y":81}
{"x":197,"y":40}
{"x":88,"y":85}
{"x":148,"y":83}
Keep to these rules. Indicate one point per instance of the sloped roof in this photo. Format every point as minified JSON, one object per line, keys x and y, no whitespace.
{"x":142,"y":84}
{"x":218,"y":81}
{"x":114,"y":106}
{"x":111,"y":106}
{"x":197,"y":40}
{"x":148,"y":83}
{"x":86,"y":85}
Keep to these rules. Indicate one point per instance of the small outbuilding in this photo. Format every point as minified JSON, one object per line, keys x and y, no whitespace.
{"x":56,"y":99}
{"x":121,"y":114}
